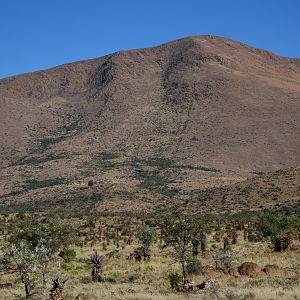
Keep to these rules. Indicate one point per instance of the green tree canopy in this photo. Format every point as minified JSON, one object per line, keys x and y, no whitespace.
{"x":272,"y":224}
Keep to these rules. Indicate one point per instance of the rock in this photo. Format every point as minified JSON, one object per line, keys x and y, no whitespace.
{"x":208,"y":270}
{"x":249,"y":269}
{"x":233,"y":272}
{"x":271,"y":270}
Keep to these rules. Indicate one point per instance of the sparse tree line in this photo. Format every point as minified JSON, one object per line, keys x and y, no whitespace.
{"x":31,"y":242}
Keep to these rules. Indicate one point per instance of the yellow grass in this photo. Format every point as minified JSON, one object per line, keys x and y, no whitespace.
{"x":125,"y":279}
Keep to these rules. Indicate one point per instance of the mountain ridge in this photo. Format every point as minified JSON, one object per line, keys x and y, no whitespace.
{"x":205,"y":102}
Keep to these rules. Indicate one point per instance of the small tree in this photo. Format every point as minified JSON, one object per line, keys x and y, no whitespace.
{"x":223,"y":260}
{"x":146,"y":235}
{"x":55,"y":233}
{"x":43,"y":258}
{"x":19,"y":258}
{"x":46,"y":238}
{"x":271,"y":224}
{"x":178,"y":230}
{"x":279,"y":228}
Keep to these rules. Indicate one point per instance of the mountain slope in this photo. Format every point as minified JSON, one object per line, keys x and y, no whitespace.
{"x":198,"y":112}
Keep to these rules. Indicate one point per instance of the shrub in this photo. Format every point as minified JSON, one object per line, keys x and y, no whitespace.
{"x":20,"y":259}
{"x":223,"y":260}
{"x":174,"y":279}
{"x":252,"y":237}
{"x":146,"y":235}
{"x":55,"y":233}
{"x":67,"y":255}
{"x":194,"y":266}
{"x":271,"y":224}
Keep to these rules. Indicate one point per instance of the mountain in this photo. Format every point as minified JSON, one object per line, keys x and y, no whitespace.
{"x":148,"y":125}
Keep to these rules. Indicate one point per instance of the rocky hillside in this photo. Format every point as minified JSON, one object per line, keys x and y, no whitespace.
{"x":148,"y":124}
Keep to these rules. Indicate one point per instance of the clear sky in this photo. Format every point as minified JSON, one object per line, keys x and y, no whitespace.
{"x":38,"y":34}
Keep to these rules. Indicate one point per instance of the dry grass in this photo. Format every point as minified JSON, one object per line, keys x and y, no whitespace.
{"x":125,"y":279}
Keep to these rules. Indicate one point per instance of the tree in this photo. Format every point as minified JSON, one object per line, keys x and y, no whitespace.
{"x":19,"y":258}
{"x":44,"y":255}
{"x":178,"y":230}
{"x":272,"y":224}
{"x":146,"y":235}
{"x":45,"y":237}
{"x":280,"y":228}
{"x":55,"y":234}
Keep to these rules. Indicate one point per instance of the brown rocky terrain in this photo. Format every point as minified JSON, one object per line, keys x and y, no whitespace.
{"x":148,"y":125}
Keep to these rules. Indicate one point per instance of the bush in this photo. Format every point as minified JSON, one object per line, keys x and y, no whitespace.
{"x":67,"y":255}
{"x":252,"y":237}
{"x":146,"y":235}
{"x":194,"y":266}
{"x":55,"y":233}
{"x":271,"y":224}
{"x":223,"y":260}
{"x":174,"y":279}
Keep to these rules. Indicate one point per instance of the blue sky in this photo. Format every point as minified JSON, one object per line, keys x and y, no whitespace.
{"x":38,"y":34}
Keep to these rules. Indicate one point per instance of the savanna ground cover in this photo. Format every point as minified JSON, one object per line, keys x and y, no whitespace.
{"x":37,"y":249}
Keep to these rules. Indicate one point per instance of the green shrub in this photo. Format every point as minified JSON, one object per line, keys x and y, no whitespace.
{"x":146,"y":235}
{"x":252,"y":237}
{"x":271,"y":224}
{"x":174,"y":279}
{"x":194,"y":266}
{"x":67,"y":255}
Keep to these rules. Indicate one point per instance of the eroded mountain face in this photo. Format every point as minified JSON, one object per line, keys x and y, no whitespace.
{"x":148,"y":124}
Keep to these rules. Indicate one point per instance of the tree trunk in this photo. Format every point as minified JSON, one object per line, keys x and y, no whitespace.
{"x":44,"y":267}
{"x":203,"y":246}
{"x":184,"y":273}
{"x":27,"y":290}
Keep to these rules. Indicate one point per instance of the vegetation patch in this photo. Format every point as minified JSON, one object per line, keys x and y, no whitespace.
{"x":154,"y":181}
{"x":108,"y":155}
{"x":34,"y":184}
{"x":39,"y":160}
{"x":45,"y":143}
{"x":163,"y":163}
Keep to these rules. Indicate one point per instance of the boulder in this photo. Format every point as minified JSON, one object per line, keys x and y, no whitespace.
{"x":271,"y":270}
{"x":250,"y":269}
{"x":208,"y":270}
{"x":233,"y":272}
